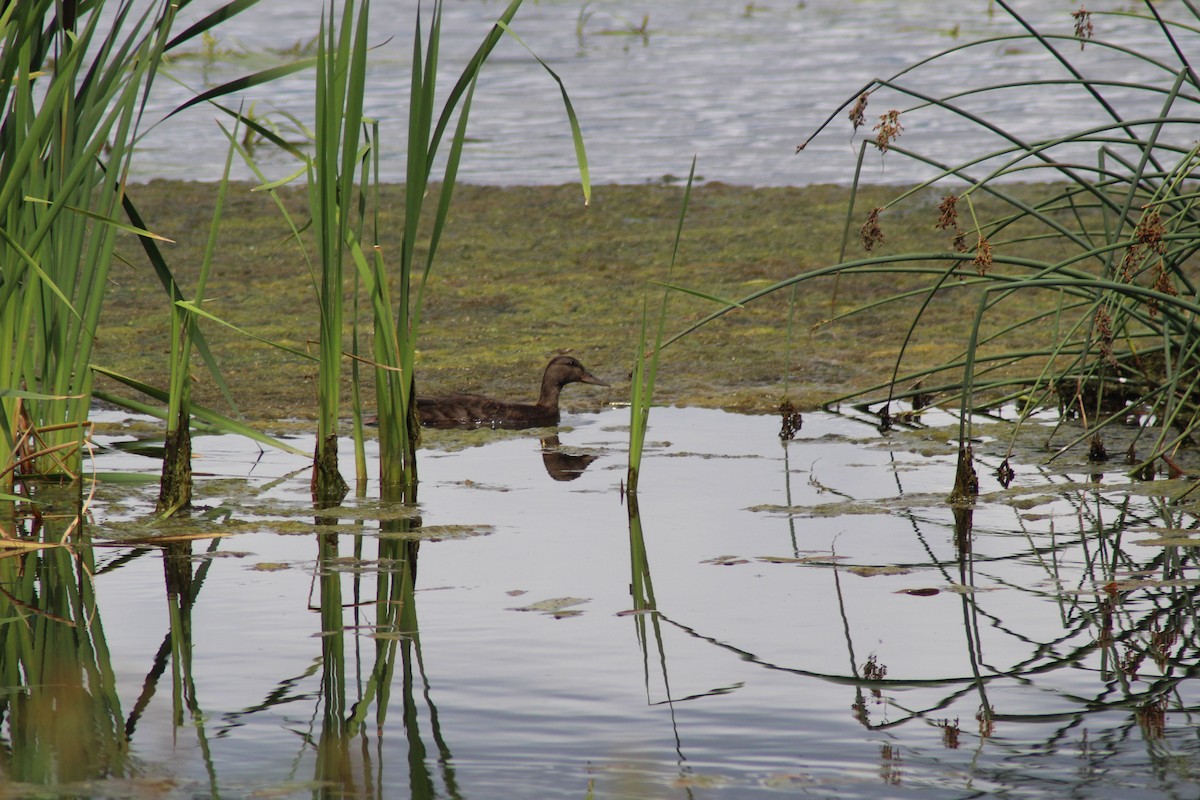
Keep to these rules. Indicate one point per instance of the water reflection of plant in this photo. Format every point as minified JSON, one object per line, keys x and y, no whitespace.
{"x":348,"y":707}
{"x":1111,"y":634}
{"x":628,"y":27}
{"x":60,"y":708}
{"x":645,"y":609}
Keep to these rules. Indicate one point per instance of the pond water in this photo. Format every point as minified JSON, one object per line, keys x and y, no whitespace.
{"x":777,"y":621}
{"x":739,"y":85}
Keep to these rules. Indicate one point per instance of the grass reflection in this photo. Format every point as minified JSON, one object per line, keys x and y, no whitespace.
{"x":59,"y":708}
{"x":345,"y":766}
{"x":1118,"y":657}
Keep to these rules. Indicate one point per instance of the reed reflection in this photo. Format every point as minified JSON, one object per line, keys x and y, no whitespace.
{"x":351,"y":759}
{"x":60,"y":709}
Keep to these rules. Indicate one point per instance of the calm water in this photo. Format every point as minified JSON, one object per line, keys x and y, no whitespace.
{"x":738,"y":85}
{"x":816,"y":631}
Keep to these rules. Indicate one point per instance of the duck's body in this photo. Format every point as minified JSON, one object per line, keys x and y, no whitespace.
{"x":476,"y":410}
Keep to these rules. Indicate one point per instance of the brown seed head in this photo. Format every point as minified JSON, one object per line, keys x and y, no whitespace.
{"x":1105,"y":332}
{"x":983,"y":256}
{"x":1150,"y":231}
{"x":888,"y":129}
{"x":949,"y":213}
{"x":1135,"y":254}
{"x":1163,"y":284}
{"x":1083,"y":25}
{"x":872,"y":234}
{"x":858,"y":114}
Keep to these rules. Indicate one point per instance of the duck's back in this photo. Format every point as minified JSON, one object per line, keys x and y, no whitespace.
{"x":476,"y":410}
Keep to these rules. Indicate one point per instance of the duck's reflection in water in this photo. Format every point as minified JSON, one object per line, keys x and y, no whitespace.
{"x":563,"y":466}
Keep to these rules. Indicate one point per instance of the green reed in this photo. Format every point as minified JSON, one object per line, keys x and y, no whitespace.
{"x":74,"y":79}
{"x":175,"y":487}
{"x":1082,"y":285}
{"x":646,"y":360}
{"x":71,"y":99}
{"x":343,"y":180}
{"x":397,"y":301}
{"x":340,"y":88}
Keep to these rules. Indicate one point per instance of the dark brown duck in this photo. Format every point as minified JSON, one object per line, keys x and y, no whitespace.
{"x":475,"y":410}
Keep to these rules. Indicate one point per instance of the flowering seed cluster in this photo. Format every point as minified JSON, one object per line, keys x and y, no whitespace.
{"x":871,"y":233}
{"x":1083,"y":26}
{"x":888,"y":129}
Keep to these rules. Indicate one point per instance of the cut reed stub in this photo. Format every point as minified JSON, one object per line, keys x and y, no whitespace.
{"x":966,"y":481}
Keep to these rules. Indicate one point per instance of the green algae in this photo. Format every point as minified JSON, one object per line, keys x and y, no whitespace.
{"x":524,"y":273}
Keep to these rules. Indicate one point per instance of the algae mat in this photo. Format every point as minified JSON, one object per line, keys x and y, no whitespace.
{"x":526,"y":272}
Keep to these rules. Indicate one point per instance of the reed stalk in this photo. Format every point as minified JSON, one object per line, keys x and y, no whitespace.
{"x":346,"y":143}
{"x":71,"y":96}
{"x":646,"y":360}
{"x":340,"y":87}
{"x":175,"y":487}
{"x":74,"y":79}
{"x":397,"y":301}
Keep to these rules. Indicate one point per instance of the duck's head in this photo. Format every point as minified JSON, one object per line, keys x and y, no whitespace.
{"x":566,"y":369}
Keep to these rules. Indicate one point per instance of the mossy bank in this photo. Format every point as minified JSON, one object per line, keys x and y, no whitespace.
{"x":526,"y":272}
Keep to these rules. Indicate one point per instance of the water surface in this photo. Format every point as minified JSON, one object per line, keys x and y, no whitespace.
{"x":812,"y":620}
{"x":738,"y":85}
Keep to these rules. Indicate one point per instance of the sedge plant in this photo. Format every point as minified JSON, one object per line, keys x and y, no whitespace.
{"x":1079,"y":271}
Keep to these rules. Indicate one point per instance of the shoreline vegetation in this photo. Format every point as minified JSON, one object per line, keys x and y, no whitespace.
{"x":526,"y":272}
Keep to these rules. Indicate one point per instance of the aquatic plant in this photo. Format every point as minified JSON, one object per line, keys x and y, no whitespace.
{"x":645,"y":364}
{"x":175,"y":485}
{"x":397,"y":317}
{"x":74,"y":80}
{"x":646,"y":360}
{"x":1080,"y":284}
{"x":340,"y":89}
{"x":343,"y":185}
{"x":71,"y":98}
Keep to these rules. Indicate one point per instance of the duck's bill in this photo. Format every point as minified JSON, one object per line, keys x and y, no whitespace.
{"x":592,"y":379}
